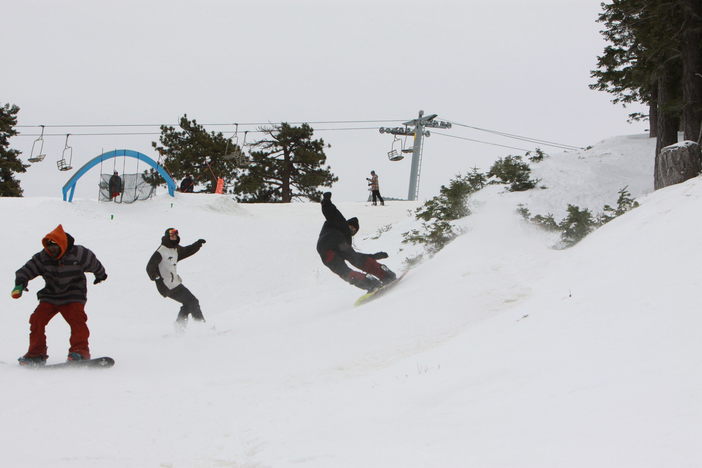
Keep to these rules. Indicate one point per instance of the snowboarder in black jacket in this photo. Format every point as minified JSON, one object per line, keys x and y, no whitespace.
{"x":335,"y":248}
{"x":161,"y":268}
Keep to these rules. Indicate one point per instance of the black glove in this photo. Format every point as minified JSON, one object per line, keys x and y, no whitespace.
{"x":200,"y":241}
{"x":379,"y":255}
{"x":326,"y":196}
{"x":100,"y":279}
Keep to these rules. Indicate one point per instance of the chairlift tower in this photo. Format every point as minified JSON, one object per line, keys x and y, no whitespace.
{"x":419,"y":131}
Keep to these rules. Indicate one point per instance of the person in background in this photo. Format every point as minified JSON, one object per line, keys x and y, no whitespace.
{"x":375,"y":188}
{"x":187,"y":184}
{"x":63,"y":265}
{"x":115,"y":186}
{"x":335,"y":249}
{"x":162,"y":269}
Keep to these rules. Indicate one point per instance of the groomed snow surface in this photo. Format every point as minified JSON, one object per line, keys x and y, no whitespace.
{"x":498,"y":352}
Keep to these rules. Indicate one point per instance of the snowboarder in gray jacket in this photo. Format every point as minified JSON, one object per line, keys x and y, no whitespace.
{"x":162,"y":268}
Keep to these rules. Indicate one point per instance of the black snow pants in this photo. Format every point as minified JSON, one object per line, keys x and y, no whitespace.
{"x":190,"y":304}
{"x":376,"y":196}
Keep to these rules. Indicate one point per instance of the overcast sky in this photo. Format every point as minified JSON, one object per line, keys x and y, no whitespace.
{"x":520,"y":67}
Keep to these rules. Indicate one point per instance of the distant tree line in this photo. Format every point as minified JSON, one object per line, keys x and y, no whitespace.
{"x":287,"y":164}
{"x":654,"y":57}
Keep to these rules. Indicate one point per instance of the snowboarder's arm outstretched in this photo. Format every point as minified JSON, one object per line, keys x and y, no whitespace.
{"x":185,"y":252}
{"x":332,"y":214}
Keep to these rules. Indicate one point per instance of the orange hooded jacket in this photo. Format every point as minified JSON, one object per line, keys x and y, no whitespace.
{"x":58,"y":236}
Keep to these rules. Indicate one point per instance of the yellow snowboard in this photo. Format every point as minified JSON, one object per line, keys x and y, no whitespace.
{"x":378,"y":292}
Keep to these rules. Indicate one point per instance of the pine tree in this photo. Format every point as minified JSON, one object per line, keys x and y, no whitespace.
{"x":437,"y":214}
{"x":691,"y":51}
{"x":287,"y":164}
{"x":192,"y":150}
{"x":654,"y":56}
{"x":10,"y":163}
{"x":624,"y":69}
{"x":513,"y":171}
{"x":578,"y":224}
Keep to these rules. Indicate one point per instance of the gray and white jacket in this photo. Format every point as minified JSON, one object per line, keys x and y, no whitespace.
{"x":162,"y":265}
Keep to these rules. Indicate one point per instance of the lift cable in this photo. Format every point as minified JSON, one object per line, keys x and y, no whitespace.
{"x":479,"y":141}
{"x":214,"y":124}
{"x":123,"y":133}
{"x":520,"y":137}
{"x":159,"y":133}
{"x":495,"y":132}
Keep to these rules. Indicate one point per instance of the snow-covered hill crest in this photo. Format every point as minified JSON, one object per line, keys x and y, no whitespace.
{"x":498,"y":352}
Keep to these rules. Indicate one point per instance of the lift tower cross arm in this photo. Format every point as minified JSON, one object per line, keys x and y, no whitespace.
{"x":419,"y":131}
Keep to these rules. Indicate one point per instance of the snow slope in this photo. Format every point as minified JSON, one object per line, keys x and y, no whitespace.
{"x":498,"y":352}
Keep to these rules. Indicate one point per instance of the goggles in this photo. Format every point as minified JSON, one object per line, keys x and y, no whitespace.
{"x":172,"y":232}
{"x":52,"y":248}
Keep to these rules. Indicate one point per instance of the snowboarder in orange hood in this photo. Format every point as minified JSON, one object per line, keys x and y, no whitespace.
{"x":63,"y":265}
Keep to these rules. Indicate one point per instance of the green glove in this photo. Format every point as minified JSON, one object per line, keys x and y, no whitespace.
{"x":17,"y":292}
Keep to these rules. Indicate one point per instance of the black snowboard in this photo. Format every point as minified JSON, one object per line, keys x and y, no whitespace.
{"x":101,"y":362}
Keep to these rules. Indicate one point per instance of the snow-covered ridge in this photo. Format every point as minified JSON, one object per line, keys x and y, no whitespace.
{"x":498,"y":352}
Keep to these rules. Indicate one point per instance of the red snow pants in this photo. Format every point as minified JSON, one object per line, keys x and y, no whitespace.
{"x":73,"y":313}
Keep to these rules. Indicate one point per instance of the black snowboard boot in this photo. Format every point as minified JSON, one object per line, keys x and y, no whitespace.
{"x":32,"y":360}
{"x":389,"y":275}
{"x":366,"y":282}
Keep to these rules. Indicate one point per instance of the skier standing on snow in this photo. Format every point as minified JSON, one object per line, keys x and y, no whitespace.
{"x":335,"y":249}
{"x":115,"y":186}
{"x":374,"y":185}
{"x":161,"y":268}
{"x":63,"y":265}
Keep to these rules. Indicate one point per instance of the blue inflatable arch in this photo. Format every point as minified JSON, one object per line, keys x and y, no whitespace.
{"x":70,"y":186}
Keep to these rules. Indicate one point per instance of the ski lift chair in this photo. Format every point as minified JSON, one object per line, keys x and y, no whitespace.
{"x":394,"y":154}
{"x":407,"y":149}
{"x":40,"y":155}
{"x":63,"y":164}
{"x":237,"y":154}
{"x":243,"y":160}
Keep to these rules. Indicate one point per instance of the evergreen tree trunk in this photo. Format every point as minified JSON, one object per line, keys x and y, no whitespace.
{"x":286,"y":192}
{"x":692,"y":68}
{"x":668,"y":119}
{"x":653,"y":113}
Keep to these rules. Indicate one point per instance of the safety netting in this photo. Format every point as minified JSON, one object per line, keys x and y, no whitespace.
{"x":132,"y":188}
